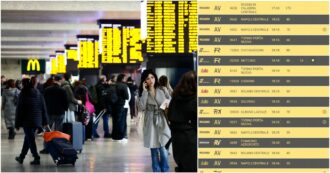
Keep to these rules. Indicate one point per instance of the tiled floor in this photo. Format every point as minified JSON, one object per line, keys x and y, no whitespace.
{"x":100,"y":155}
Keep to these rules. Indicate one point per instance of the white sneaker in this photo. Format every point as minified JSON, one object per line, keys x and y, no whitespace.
{"x":124,"y":141}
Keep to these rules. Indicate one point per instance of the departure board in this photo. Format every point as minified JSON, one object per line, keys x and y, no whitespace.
{"x":171,"y":26}
{"x":263,"y":89}
{"x":71,"y":52}
{"x":53,"y":63}
{"x":88,"y":51}
{"x":61,"y":61}
{"x":120,"y":41}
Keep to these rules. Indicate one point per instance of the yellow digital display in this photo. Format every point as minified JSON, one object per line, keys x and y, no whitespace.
{"x":171,"y":26}
{"x":88,"y":50}
{"x":53,"y":62}
{"x":72,"y":53}
{"x":121,"y":42}
{"x":61,"y":62}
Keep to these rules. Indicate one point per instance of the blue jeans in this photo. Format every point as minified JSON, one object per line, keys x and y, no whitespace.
{"x":29,"y":143}
{"x":159,"y":157}
{"x":105,"y":118}
{"x":106,"y":124}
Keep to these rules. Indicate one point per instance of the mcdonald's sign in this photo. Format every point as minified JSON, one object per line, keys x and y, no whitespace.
{"x":33,"y":66}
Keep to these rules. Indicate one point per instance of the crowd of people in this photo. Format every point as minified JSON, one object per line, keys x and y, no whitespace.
{"x":169,"y":115}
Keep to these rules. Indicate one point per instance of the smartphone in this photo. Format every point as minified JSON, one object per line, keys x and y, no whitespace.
{"x":146,"y":85}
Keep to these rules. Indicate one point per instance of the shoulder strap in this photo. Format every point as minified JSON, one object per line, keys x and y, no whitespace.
{"x":87,"y":99}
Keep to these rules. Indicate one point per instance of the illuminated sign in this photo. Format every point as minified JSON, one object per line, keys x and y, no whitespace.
{"x":61,"y":62}
{"x":71,"y":52}
{"x":120,"y":41}
{"x":53,"y":63}
{"x":88,"y":51}
{"x":33,"y":66}
{"x":171,"y":26}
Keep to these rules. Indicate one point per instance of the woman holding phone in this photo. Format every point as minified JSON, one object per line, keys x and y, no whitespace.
{"x":156,"y":132}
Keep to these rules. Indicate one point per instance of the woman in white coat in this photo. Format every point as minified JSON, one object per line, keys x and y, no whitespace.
{"x":156,"y":132}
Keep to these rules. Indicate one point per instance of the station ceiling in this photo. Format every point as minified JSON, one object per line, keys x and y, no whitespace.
{"x":39,"y":28}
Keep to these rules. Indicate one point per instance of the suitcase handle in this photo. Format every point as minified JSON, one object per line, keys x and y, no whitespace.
{"x":97,"y":118}
{"x":47,"y":129}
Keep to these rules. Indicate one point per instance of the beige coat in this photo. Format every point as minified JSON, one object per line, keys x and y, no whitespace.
{"x":156,"y":132}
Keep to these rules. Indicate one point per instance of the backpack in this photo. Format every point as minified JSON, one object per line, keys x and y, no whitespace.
{"x":111,"y":96}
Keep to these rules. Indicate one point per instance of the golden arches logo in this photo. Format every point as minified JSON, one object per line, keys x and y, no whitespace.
{"x":33,"y":64}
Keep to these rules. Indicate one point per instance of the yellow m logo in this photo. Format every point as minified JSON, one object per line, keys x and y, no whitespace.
{"x":32,"y":64}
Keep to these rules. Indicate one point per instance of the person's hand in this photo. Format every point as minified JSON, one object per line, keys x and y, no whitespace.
{"x":145,"y":86}
{"x":79,"y":102}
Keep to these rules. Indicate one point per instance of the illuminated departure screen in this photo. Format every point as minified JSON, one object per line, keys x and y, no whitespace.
{"x":88,"y":51}
{"x":61,"y":62}
{"x":171,"y":27}
{"x":120,"y":41}
{"x":71,"y":52}
{"x":53,"y":63}
{"x":263,"y":86}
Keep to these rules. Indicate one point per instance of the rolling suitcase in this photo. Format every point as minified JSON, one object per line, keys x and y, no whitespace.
{"x":75,"y":129}
{"x":61,"y":151}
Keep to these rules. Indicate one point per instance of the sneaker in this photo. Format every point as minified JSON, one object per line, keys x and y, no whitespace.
{"x":124,"y":141}
{"x":35,"y":162}
{"x":19,"y":159}
{"x":43,"y":151}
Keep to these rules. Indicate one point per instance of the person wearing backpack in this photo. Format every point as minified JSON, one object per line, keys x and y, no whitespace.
{"x":101,"y":92}
{"x":121,"y":89}
{"x":9,"y":103}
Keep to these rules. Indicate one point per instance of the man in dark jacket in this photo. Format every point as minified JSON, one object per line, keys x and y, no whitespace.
{"x":31,"y":113}
{"x":57,"y":103}
{"x":119,"y":119}
{"x":101,"y":89}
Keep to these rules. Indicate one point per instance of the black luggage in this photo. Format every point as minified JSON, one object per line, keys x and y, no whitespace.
{"x":75,"y":129}
{"x":61,"y":151}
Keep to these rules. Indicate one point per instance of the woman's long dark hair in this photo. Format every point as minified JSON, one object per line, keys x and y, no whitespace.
{"x":144,"y":76}
{"x":10,"y":83}
{"x":187,"y":85}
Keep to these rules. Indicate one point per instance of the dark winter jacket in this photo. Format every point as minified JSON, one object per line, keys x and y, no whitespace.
{"x":182,"y":112}
{"x":56,"y":100}
{"x":31,"y":110}
{"x":101,"y":96}
{"x":122,"y":92}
